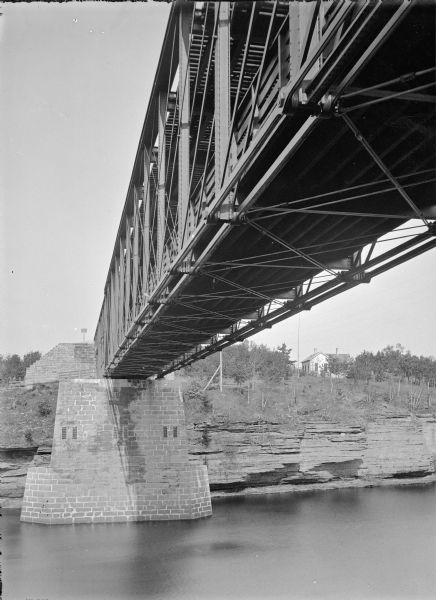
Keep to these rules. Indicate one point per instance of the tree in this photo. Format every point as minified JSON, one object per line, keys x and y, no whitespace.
{"x":237,"y":363}
{"x":275,"y":364}
{"x":30,"y":358}
{"x":12,"y":367}
{"x":244,"y":361}
{"x":393,"y":362}
{"x":362,"y":367}
{"x":337,"y":366}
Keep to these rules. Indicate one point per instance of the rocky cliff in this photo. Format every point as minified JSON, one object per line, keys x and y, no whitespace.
{"x":14,"y":463}
{"x":241,"y":457}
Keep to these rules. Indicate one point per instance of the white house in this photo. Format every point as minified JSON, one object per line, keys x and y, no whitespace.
{"x":315,"y":363}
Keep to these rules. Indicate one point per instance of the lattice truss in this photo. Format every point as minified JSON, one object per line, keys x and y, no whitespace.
{"x":287,"y":155}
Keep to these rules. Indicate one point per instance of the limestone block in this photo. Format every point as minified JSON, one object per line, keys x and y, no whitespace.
{"x":334,"y":448}
{"x":395,"y":448}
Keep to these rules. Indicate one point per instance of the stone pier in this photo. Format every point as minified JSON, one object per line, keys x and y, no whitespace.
{"x":120,"y":453}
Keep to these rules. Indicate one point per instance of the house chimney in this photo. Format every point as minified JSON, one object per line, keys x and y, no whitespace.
{"x":337,"y":350}
{"x":315,"y":350}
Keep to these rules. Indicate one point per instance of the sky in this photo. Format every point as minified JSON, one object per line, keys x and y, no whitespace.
{"x":75,"y":82}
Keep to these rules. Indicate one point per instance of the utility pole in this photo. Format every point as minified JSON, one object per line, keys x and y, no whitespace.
{"x":298,"y":346}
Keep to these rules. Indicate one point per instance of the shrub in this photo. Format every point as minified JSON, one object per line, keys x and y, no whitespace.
{"x":195,"y":393}
{"x":28,"y":436}
{"x":205,"y":436}
{"x":44,"y":408}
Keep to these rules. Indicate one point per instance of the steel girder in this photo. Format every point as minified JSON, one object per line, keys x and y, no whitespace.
{"x":252,"y":188}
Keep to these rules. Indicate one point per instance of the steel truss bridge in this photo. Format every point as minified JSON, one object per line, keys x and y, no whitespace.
{"x":287,"y":155}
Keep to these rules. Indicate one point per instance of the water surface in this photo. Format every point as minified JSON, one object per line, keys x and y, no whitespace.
{"x":351,"y":543}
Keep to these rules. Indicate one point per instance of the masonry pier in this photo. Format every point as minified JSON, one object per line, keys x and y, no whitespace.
{"x":119,"y":454}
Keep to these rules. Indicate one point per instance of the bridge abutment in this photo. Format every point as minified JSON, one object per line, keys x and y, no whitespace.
{"x":120,"y":453}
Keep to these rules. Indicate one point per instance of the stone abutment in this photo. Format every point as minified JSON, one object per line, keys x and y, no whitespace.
{"x":120,"y":453}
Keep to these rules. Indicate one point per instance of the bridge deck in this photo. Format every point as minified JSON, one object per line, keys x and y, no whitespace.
{"x":264,"y":186}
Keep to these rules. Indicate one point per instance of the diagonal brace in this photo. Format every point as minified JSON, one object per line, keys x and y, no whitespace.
{"x":291,"y":248}
{"x":250,"y":291}
{"x":384,"y":168}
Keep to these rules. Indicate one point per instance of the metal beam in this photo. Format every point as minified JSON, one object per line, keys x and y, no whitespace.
{"x":296,"y":251}
{"x":385,"y":95}
{"x":310,"y":299}
{"x":185,"y":15}
{"x":135,"y":250}
{"x":222,"y":90}
{"x":146,"y":207}
{"x":161,"y":199}
{"x":419,"y":214}
{"x":369,"y":52}
{"x":121,"y":292}
{"x":127,"y":293}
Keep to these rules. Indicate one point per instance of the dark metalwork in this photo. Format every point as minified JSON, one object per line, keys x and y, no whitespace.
{"x":253,"y":195}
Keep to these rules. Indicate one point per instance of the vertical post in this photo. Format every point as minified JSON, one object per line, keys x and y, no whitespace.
{"x":128,"y":274}
{"x":184,"y":109}
{"x":146,"y":231}
{"x":221,"y":371}
{"x":161,"y":169}
{"x":298,"y":346}
{"x":115,"y":305}
{"x":112,"y":312}
{"x":121,"y":294}
{"x":282,"y":55}
{"x":222,"y":90}
{"x":135,"y":249}
{"x":294,"y":40}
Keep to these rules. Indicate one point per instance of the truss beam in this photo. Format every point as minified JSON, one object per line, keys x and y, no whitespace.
{"x":249,"y":108}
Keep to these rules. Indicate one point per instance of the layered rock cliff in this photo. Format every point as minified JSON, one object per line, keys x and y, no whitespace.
{"x":241,"y":456}
{"x":14,"y":463}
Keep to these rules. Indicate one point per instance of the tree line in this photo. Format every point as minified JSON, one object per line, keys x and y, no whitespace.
{"x":13,"y":367}
{"x":393,"y":362}
{"x":246,"y":361}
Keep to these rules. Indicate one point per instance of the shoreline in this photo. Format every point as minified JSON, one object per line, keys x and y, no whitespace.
{"x":289,"y":488}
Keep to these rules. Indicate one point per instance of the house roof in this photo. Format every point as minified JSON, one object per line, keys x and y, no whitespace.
{"x":340,"y":357}
{"x":313,"y":356}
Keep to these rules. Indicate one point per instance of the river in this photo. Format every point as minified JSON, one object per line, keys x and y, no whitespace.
{"x":350,"y":543}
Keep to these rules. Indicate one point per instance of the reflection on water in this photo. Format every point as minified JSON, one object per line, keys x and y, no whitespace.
{"x":353,"y":543}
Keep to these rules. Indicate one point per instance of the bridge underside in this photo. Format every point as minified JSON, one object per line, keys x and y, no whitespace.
{"x":297,"y":195}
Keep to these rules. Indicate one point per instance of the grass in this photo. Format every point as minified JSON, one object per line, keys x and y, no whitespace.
{"x":307,"y":398}
{"x":27,"y":415}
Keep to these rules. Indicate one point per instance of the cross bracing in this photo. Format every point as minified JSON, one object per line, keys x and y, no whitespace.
{"x":286,"y":146}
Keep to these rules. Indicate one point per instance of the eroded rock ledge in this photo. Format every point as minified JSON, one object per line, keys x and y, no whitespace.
{"x":265,"y":457}
{"x":241,"y":457}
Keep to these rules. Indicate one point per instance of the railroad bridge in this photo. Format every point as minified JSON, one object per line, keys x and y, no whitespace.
{"x":282,"y":144}
{"x":287,"y":155}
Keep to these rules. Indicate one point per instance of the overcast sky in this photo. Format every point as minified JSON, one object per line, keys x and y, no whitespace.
{"x":75,"y":84}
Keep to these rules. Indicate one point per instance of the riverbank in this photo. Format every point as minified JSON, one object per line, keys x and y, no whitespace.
{"x":275,"y":442}
{"x":427,"y":480}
